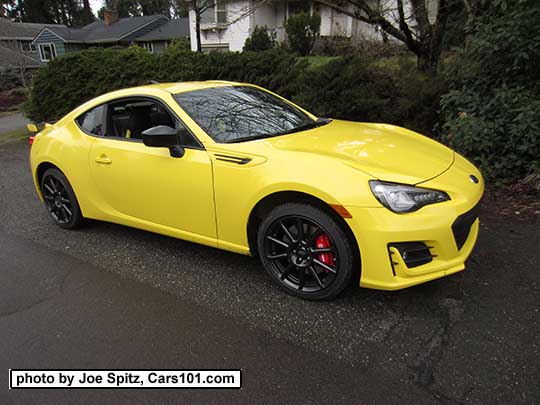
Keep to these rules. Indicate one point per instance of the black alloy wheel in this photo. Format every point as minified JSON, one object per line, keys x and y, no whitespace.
{"x":60,"y":199}
{"x":305,"y":251}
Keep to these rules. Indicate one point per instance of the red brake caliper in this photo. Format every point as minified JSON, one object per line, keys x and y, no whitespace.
{"x":321,"y":242}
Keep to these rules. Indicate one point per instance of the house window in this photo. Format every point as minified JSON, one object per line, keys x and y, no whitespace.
{"x":47,"y":52}
{"x":26,"y":46}
{"x":295,"y":7}
{"x":223,"y":47}
{"x":221,"y":11}
{"x":216,"y":13}
{"x":149,"y":46}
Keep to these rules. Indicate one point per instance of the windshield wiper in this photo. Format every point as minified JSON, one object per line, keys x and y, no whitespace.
{"x":251,"y":138}
{"x":304,"y":127}
{"x":310,"y":125}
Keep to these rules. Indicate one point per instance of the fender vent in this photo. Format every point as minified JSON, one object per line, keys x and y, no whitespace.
{"x":232,"y":159}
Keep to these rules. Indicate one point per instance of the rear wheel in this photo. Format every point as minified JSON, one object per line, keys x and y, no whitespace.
{"x":60,"y":199}
{"x":305,"y":251}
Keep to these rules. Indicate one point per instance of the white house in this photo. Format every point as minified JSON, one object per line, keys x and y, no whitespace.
{"x":228,"y":24}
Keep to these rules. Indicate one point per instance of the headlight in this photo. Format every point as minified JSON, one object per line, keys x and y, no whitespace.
{"x":402,"y":198}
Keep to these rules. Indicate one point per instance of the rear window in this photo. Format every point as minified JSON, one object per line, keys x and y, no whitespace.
{"x":91,"y":121}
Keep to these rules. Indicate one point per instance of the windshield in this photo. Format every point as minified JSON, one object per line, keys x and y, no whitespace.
{"x":238,"y":113}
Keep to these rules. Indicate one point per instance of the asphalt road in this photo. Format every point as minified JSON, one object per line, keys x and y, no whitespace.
{"x":109,"y":296}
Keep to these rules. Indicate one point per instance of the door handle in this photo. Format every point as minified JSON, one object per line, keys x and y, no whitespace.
{"x":104,"y":159}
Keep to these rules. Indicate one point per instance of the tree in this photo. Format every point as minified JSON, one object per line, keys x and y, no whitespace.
{"x":68,"y":12}
{"x":21,"y":64}
{"x":302,"y":31}
{"x":179,"y":9}
{"x":199,"y":7}
{"x":86,"y":16}
{"x":260,"y":40}
{"x":135,"y":8}
{"x":407,"y":21}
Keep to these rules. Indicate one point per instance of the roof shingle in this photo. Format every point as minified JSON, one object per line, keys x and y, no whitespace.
{"x":25,"y":31}
{"x":173,"y":29}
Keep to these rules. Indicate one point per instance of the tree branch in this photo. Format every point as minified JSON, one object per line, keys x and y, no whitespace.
{"x":374,"y":17}
{"x":420,"y":11}
{"x":403,"y":26}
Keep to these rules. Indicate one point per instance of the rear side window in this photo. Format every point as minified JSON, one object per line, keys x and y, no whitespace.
{"x":92,"y":121}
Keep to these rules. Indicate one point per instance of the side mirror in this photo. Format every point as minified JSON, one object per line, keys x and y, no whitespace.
{"x":163,"y":136}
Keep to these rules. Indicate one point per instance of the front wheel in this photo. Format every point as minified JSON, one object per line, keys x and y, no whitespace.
{"x":60,"y":199}
{"x":305,"y":251}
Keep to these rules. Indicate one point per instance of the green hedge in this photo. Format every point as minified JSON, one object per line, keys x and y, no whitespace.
{"x":356,"y":88}
{"x":68,"y":81}
{"x":347,"y":88}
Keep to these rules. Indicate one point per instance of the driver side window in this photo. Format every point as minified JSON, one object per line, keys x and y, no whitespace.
{"x":128,"y":119}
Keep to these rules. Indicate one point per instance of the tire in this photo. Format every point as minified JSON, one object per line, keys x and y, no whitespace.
{"x":60,"y":200}
{"x":306,"y":251}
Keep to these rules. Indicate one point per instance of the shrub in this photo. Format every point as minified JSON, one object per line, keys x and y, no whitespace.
{"x":260,"y":40}
{"x":302,"y":31}
{"x":274,"y":69}
{"x":68,"y":81}
{"x":356,"y":88}
{"x":335,"y":45}
{"x":490,"y":113}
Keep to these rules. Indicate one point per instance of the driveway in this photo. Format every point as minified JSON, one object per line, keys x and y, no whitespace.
{"x":12,"y":122}
{"x":112,"y":296}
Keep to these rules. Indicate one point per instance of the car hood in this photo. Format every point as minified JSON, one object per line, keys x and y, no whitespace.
{"x":383,"y":151}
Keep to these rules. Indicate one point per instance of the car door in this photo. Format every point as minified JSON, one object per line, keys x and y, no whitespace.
{"x":147,"y":185}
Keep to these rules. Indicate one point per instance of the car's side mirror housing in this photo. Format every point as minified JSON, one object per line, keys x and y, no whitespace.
{"x":163,"y":136}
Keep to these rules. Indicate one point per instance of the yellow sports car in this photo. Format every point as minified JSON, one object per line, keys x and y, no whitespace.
{"x":322,"y":202}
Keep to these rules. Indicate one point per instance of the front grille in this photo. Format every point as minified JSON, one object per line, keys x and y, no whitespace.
{"x":462,"y":225}
{"x":414,"y":254}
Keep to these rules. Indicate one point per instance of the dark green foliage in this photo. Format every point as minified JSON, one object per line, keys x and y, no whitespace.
{"x":491,"y":113}
{"x":348,"y":88}
{"x":260,"y":40}
{"x":74,"y":13}
{"x":69,"y":81}
{"x":335,"y":45}
{"x":302,"y":31}
{"x":274,"y":69}
{"x":357,"y":89}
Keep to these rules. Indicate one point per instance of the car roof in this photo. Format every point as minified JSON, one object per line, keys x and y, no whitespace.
{"x":182,"y":87}
{"x":171,"y":88}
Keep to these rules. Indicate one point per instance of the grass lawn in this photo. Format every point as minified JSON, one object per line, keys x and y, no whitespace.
{"x":392,"y":62}
{"x":318,"y":61}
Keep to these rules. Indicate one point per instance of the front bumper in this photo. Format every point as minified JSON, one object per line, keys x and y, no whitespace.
{"x":449,"y":229}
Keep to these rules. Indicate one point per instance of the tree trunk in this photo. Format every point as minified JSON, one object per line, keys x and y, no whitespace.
{"x":426,"y":64}
{"x":428,"y":57}
{"x":198,"y":29}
